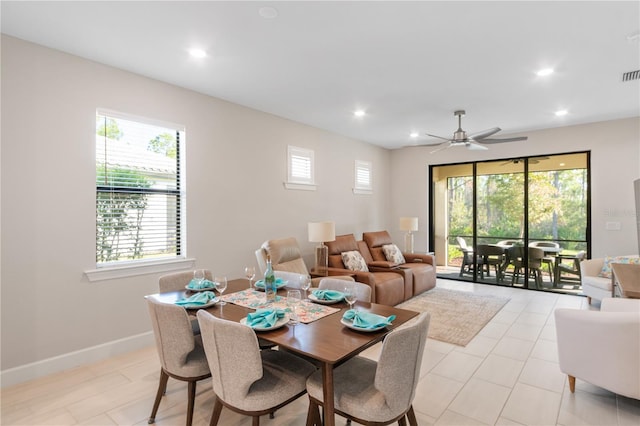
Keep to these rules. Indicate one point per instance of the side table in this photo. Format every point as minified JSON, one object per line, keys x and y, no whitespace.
{"x":625,"y":280}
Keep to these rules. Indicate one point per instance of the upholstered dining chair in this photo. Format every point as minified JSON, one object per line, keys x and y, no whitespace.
{"x":363,"y":291}
{"x":177,"y":281}
{"x":244,"y":378}
{"x":548,"y":259}
{"x":181,"y":354}
{"x":377,"y":393}
{"x":467,"y":256}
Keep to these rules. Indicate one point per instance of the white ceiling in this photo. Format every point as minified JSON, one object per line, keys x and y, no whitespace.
{"x":409,"y":65}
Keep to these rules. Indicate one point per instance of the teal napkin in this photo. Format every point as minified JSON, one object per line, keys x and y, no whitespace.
{"x":367,"y":319}
{"x":264,"y":318}
{"x":197,"y":299}
{"x":279,"y":283}
{"x":328,"y":294}
{"x":193,"y":285}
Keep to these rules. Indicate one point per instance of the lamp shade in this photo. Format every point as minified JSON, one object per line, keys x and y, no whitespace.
{"x":320,"y":232}
{"x":408,"y":223}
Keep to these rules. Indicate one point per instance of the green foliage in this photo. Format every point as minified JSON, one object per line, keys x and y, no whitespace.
{"x":119,"y":215}
{"x":164,"y":143}
{"x":108,"y":127}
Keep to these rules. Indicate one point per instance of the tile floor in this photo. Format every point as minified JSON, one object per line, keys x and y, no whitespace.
{"x":508,"y":375}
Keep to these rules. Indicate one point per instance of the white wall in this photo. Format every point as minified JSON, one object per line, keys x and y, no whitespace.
{"x":615,"y":164}
{"x":236,"y":165}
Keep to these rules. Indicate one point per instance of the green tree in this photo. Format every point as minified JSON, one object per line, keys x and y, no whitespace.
{"x":108,"y":127}
{"x":164,"y":143}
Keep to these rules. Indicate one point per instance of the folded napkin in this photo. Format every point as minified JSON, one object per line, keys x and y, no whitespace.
{"x":363,"y":319}
{"x":194,"y":285}
{"x":264,"y":318}
{"x":328,"y":294}
{"x":197,"y":299}
{"x":279,"y":283}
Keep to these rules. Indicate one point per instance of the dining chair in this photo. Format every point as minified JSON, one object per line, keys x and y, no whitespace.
{"x":177,"y":281}
{"x":244,"y":378}
{"x":488,"y":256}
{"x":181,"y":354}
{"x":549,"y":248}
{"x":363,"y":291}
{"x":467,"y":256}
{"x":535,"y":256}
{"x":377,"y":393}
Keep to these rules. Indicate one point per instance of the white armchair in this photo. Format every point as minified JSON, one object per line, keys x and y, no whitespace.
{"x":602,"y":347}
{"x":594,"y":286}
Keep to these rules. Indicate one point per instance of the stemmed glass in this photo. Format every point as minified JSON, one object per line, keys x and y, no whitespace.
{"x":221,"y":286}
{"x":250,"y":273}
{"x":198,"y":276}
{"x":305,"y":284}
{"x":350,"y":295}
{"x":293,"y":301}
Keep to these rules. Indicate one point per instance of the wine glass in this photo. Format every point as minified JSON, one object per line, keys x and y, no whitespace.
{"x":198,"y":276}
{"x":221,"y":286}
{"x":250,"y":273}
{"x":293,"y":301}
{"x":350,"y":295}
{"x":305,"y":284}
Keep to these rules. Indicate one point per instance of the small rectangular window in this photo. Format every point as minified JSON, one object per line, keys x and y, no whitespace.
{"x":300,"y":166}
{"x":362,"y":177}
{"x":138,"y":189}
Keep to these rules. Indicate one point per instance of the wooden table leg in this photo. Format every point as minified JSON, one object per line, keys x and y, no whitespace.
{"x":327,"y":392}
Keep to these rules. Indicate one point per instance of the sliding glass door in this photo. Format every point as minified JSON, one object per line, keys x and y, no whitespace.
{"x":521,"y":222}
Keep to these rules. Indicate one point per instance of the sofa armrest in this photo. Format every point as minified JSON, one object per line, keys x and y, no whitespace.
{"x":382,"y":264}
{"x":601,"y":348}
{"x":419,"y":258}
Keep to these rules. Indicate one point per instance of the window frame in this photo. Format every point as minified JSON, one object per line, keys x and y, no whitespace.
{"x":130,"y":267}
{"x":359,"y":187}
{"x":297,"y":182}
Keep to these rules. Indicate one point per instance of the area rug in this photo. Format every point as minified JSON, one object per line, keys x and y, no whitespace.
{"x":456,"y":316}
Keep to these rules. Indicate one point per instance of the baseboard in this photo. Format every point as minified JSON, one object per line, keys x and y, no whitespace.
{"x":34,"y":370}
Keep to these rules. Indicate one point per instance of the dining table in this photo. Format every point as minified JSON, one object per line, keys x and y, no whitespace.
{"x":325,"y":340}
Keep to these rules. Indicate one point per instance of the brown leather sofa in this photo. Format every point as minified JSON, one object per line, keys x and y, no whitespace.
{"x":422,"y":266}
{"x":389,"y":285}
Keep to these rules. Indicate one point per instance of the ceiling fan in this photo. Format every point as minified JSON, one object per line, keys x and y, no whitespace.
{"x":473,"y":141}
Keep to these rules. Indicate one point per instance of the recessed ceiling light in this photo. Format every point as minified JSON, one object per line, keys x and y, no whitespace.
{"x":268,"y":12}
{"x":544,"y":72}
{"x":197,"y":53}
{"x":414,"y":134}
{"x":561,"y":112}
{"x":359,"y":113}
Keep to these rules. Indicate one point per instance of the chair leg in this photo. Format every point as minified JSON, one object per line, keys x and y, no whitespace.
{"x":217,"y":409}
{"x":255,"y":421}
{"x":402,"y":421}
{"x":162,"y":386}
{"x":572,"y":383}
{"x":191,"y":401}
{"x":411,"y":415}
{"x":313,"y":414}
{"x":589,"y":300}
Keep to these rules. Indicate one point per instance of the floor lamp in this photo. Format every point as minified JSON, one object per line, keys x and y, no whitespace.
{"x":319,"y":232}
{"x":408,"y":224}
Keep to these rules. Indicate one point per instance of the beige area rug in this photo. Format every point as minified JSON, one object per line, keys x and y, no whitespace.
{"x":456,"y":316}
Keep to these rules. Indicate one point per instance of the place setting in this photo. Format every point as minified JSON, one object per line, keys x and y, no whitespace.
{"x":204,"y":291}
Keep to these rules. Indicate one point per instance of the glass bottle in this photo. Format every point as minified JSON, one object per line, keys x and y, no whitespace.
{"x":269,"y":282}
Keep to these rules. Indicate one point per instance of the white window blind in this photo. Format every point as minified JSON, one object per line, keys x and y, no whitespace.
{"x":362,"y":177}
{"x":300,"y":166}
{"x":138,"y":198}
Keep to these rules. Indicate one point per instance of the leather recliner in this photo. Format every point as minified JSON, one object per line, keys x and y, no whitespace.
{"x":422,"y":266}
{"x":389,"y":286}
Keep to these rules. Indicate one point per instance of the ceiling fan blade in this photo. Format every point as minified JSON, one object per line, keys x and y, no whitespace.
{"x":473,"y":146}
{"x":439,"y":137}
{"x":449,"y":145}
{"x":484,"y":134}
{"x":516,"y":139}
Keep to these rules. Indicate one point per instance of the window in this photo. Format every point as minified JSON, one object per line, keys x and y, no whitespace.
{"x":362,"y":178}
{"x":300,"y":168}
{"x":138,"y":198}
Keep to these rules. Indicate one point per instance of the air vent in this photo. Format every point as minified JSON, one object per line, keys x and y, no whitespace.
{"x":631,"y":75}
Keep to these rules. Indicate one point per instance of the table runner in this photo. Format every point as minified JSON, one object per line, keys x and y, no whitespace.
{"x":307,"y":311}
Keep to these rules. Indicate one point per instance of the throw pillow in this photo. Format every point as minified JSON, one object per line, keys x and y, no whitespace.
{"x":393,"y":254}
{"x":608,"y":260}
{"x":354,"y":261}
